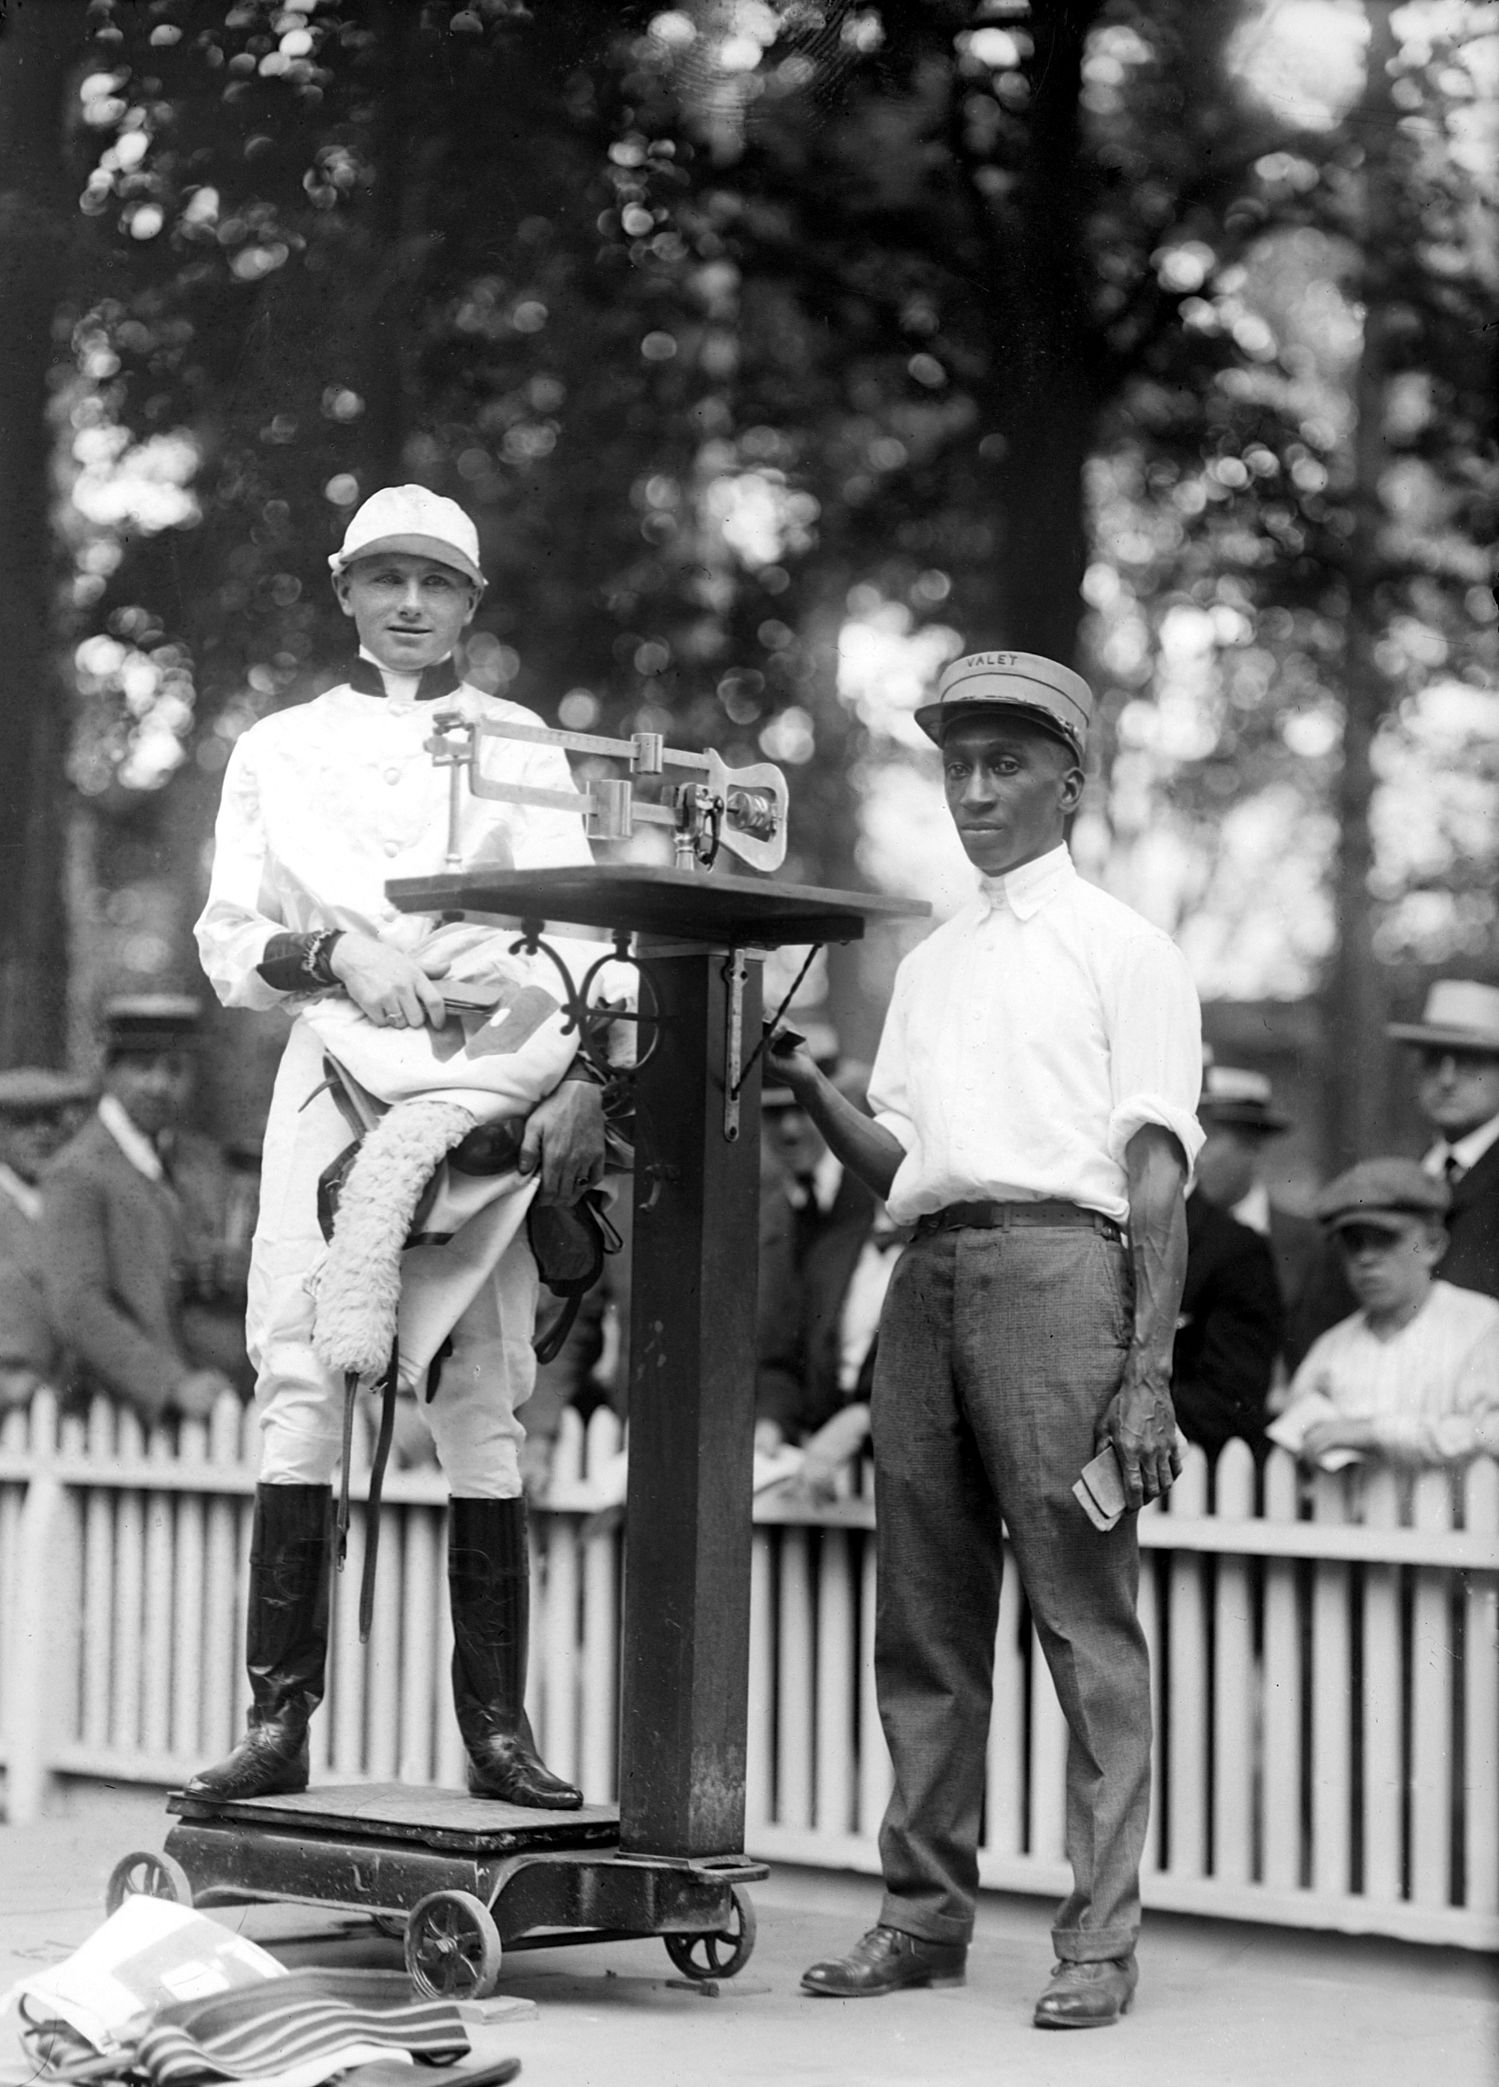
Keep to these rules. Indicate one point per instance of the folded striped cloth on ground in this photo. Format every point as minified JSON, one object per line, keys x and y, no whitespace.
{"x":283,"y":2023}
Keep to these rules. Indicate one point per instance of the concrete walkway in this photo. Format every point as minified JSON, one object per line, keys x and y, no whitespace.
{"x":1220,"y":2002}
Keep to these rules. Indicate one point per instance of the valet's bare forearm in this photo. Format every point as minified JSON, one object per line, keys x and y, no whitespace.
{"x":1156,"y":1172}
{"x":865,"y":1147}
{"x":1139,"y":1420}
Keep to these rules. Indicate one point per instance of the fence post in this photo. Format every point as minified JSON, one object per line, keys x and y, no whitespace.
{"x":43,"y":1625}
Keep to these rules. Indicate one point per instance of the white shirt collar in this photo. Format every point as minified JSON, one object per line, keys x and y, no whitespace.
{"x":1466,"y":1151}
{"x":135,"y":1145}
{"x":1254,"y":1209}
{"x":1026,"y":890}
{"x":24,"y":1194}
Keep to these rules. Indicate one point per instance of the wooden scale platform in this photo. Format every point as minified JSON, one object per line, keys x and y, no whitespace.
{"x":468,"y":1878}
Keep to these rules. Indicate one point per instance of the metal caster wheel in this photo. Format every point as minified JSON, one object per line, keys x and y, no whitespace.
{"x":452,"y":1947}
{"x":147,"y":1875}
{"x":722,"y":1953}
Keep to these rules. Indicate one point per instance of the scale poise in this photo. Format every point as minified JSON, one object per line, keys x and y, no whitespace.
{"x":466,"y":1879}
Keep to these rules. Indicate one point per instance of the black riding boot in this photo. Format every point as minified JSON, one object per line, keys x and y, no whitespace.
{"x":286,"y":1644}
{"x":489,"y":1582}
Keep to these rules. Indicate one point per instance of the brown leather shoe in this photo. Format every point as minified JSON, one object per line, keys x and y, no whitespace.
{"x":1088,"y":1996}
{"x":884,"y":1960}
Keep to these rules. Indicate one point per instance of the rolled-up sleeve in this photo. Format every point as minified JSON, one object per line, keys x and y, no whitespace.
{"x":1155,"y":1047}
{"x":236,"y":923}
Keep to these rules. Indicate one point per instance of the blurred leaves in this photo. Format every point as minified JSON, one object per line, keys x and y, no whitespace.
{"x":742,"y":327}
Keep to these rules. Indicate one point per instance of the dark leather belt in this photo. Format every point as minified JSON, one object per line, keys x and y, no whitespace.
{"x":999,"y":1217}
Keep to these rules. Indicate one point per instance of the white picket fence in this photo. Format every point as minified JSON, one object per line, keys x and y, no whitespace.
{"x":1326,"y":1667}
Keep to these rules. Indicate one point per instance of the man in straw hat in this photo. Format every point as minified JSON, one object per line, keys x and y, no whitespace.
{"x":134,"y":1213}
{"x":1033,"y":1117}
{"x":1240,"y":1118}
{"x":322,"y":804}
{"x":1457,"y":1086}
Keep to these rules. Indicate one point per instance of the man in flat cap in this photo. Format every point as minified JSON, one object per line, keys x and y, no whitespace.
{"x":1457,"y":1086}
{"x":322,"y":804}
{"x":1413,"y":1374}
{"x":1033,"y":1106}
{"x":39,"y":1110}
{"x":133,"y":1216}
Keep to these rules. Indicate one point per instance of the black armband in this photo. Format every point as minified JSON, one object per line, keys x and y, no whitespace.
{"x":299,"y":963}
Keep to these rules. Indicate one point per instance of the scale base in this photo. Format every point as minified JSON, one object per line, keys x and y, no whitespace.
{"x":464,"y":1877}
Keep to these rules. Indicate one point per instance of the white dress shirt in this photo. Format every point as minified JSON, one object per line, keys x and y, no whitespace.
{"x":1466,"y":1151}
{"x":323,"y":803}
{"x":1253,"y":1210}
{"x":133,"y":1142}
{"x":1424,"y":1387}
{"x":1028,"y":1039}
{"x":24,"y":1194}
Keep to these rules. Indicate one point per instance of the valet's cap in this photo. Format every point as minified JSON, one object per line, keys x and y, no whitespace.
{"x":1234,"y":1098}
{"x":150,"y":1022}
{"x":983,"y":682}
{"x":1460,"y":1013}
{"x":410,"y":518}
{"x":36,"y":1090}
{"x":1381,"y":1192}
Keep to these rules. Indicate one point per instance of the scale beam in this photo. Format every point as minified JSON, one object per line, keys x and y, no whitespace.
{"x":742,"y":809}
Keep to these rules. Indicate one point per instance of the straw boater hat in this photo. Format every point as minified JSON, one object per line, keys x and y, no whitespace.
{"x":36,"y":1090}
{"x":982,"y":682}
{"x":1237,"y":1099}
{"x":1460,"y":1013}
{"x":150,"y":1022}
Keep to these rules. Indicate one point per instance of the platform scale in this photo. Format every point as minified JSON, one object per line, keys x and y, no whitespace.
{"x":468,"y":1879}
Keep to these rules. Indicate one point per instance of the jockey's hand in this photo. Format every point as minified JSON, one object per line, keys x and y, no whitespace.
{"x":564,"y":1141}
{"x":393,"y":989}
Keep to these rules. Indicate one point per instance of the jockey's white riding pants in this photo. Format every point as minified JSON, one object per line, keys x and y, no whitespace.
{"x":489,"y":1374}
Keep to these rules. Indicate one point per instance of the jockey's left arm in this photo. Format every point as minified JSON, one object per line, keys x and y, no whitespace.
{"x":564,"y":1138}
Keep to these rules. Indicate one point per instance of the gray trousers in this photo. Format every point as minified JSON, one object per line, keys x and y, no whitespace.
{"x":998,"y":1352}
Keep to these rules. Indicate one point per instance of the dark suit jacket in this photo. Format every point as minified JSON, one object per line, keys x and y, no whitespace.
{"x":1313,"y":1287}
{"x":1231,"y":1329}
{"x":120,"y":1256}
{"x":27,"y":1339}
{"x":1472,"y":1260}
{"x":807,"y":1262}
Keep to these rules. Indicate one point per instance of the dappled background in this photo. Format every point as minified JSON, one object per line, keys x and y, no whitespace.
{"x":782,"y":351}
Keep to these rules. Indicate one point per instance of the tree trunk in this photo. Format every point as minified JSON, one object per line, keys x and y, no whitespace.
{"x":1357,"y":1053}
{"x":1040,"y":395}
{"x":37,"y":207}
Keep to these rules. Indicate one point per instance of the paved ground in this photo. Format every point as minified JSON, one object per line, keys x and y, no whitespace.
{"x":1220,"y":2002}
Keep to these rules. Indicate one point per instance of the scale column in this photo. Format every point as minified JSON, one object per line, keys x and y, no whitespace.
{"x":685,"y":1664}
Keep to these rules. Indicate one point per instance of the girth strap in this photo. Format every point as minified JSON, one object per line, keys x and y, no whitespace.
{"x":377,"y":1482}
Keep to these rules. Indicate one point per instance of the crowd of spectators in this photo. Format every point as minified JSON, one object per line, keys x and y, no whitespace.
{"x":124,"y":1235}
{"x":1368,"y":1329}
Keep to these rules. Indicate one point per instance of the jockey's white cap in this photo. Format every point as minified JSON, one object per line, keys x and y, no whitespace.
{"x":416,"y":520}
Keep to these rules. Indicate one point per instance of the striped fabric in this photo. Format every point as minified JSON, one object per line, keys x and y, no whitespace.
{"x":285,"y":2022}
{"x":265,"y":2028}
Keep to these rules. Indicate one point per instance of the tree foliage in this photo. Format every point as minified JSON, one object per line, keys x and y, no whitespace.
{"x":1041,"y":326}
